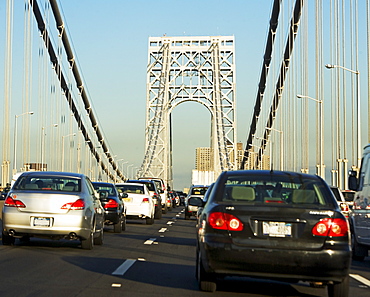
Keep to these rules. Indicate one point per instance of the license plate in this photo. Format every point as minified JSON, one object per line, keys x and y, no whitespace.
{"x":41,"y":222}
{"x":277,"y":229}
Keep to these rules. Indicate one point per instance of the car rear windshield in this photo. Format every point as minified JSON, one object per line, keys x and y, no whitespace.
{"x":48,"y":183}
{"x":135,"y":189}
{"x":199,"y":190}
{"x":281,"y":190}
{"x":150,"y":186}
{"x":104,"y":187}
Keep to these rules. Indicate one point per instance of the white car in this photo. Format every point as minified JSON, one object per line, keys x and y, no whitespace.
{"x":138,"y":201}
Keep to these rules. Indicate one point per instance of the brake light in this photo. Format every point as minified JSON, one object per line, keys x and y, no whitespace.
{"x":225,"y":221}
{"x":10,"y":202}
{"x":111,"y":204}
{"x":331,"y":227}
{"x":145,"y":200}
{"x":76,"y":205}
{"x":344,"y":206}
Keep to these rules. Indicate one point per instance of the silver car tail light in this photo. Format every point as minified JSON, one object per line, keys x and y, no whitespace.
{"x":76,"y":205}
{"x":11,"y":201}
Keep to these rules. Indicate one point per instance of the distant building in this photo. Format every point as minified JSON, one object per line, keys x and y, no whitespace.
{"x":204,"y":167}
{"x":204,"y":159}
{"x":35,"y":167}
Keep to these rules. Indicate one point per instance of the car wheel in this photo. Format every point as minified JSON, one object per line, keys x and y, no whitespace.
{"x":158,"y":214}
{"x":164,"y":210}
{"x":117,"y":228}
{"x":99,"y":240}
{"x":187,"y":215}
{"x":149,"y":221}
{"x":170,"y":208}
{"x":206,"y":281}
{"x":124,"y":223}
{"x":7,"y":240}
{"x":339,"y":289}
{"x":359,"y":252}
{"x":88,"y":243}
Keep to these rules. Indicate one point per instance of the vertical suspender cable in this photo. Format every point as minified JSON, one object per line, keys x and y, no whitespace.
{"x":262,"y":84}
{"x":293,"y":30}
{"x":5,"y":178}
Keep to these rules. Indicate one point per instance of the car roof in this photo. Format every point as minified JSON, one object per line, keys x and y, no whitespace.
{"x":133,"y":184}
{"x":52,"y":173}
{"x":102,"y":183}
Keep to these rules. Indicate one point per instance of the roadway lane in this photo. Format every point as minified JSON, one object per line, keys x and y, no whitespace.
{"x":144,"y":260}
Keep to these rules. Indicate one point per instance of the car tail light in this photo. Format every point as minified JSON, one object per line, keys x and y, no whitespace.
{"x":225,"y":221}
{"x":111,"y":204}
{"x":274,"y":201}
{"x":12,"y":202}
{"x":76,"y":205}
{"x":331,"y":227}
{"x":145,"y":200}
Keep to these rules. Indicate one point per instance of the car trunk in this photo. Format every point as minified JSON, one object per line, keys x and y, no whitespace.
{"x":276,"y":227}
{"x":48,"y":203}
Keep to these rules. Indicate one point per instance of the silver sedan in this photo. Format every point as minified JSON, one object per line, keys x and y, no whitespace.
{"x":56,"y":205}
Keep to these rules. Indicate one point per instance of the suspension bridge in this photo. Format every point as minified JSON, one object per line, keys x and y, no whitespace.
{"x":310,"y":110}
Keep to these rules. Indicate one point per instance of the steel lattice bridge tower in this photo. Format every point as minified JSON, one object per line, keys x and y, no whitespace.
{"x":182,"y":69}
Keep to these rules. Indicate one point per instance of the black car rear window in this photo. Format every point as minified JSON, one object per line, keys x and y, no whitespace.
{"x":275,"y":189}
{"x":105,"y":187}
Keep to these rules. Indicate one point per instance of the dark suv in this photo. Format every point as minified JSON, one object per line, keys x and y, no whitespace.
{"x":114,"y":209}
{"x":273,"y":224}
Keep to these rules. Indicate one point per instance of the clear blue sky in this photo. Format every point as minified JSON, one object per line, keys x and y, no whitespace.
{"x":111,"y":43}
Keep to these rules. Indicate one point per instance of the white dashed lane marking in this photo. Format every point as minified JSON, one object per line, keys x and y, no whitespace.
{"x":150,"y":241}
{"x":121,"y":270}
{"x":361,"y":279}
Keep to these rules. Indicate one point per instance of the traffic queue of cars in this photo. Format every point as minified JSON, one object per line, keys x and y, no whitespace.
{"x":63,"y":205}
{"x":267,"y":224}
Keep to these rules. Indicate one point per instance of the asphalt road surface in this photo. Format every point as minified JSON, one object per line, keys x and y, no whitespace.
{"x":144,"y":260}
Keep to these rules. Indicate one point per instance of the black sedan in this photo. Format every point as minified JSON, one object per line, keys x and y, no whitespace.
{"x":114,"y":209}
{"x":273,"y":224}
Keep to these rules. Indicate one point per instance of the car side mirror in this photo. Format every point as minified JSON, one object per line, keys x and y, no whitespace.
{"x":103,"y":194}
{"x":123,"y":195}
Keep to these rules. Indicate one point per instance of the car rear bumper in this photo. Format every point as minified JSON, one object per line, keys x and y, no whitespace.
{"x":320,"y":265}
{"x":62,"y":225}
{"x":140,"y":211}
{"x":112,"y":216}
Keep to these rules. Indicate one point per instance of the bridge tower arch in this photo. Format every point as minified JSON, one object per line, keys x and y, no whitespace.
{"x":181,"y":69}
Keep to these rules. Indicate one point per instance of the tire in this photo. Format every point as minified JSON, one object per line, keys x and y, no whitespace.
{"x":117,"y":228}
{"x":149,"y":221}
{"x":88,"y":243}
{"x":124,"y":223}
{"x":339,"y":289}
{"x":164,"y":210}
{"x":206,"y":281}
{"x":359,"y":252}
{"x":158,"y":214}
{"x":170,"y":208}
{"x":187,"y":215}
{"x":7,"y":240}
{"x":99,"y":240}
